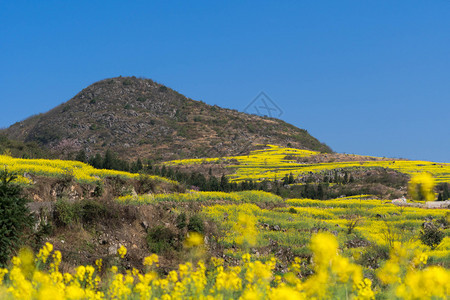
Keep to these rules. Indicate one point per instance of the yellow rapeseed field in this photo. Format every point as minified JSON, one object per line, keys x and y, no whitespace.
{"x":55,"y":167}
{"x":272,"y":163}
{"x":335,"y":277}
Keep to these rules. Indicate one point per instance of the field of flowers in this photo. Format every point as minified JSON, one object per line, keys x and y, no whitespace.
{"x":56,"y":168}
{"x":355,"y":247}
{"x":375,"y":222}
{"x":272,"y":163}
{"x":404,"y":276}
{"x":347,"y":229}
{"x":203,"y":197}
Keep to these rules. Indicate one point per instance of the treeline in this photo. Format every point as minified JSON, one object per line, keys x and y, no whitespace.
{"x":443,"y":191}
{"x":110,"y":160}
{"x":313,"y":186}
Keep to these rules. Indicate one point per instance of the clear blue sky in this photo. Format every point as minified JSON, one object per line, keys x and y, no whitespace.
{"x":365,"y":77}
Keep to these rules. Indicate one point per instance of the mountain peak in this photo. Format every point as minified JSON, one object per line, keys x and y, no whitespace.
{"x":139,"y":117}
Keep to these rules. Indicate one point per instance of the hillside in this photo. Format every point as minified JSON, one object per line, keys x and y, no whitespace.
{"x":22,"y":149}
{"x":139,"y":117}
{"x":129,"y":231}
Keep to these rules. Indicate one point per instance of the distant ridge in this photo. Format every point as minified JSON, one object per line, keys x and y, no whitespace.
{"x":141,"y":118}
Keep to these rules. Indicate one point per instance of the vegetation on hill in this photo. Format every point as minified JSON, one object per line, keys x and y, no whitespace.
{"x":294,"y":173}
{"x":141,"y":118}
{"x":21,"y":149}
{"x":130,"y":235}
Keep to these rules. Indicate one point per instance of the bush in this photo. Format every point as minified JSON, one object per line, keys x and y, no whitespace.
{"x":196,"y":224}
{"x":98,"y":191}
{"x":431,"y":235}
{"x":85,"y":211}
{"x":66,"y":213}
{"x":161,"y":239}
{"x":373,"y":256}
{"x":92,"y":211}
{"x":14,"y":215}
{"x":181,"y":221}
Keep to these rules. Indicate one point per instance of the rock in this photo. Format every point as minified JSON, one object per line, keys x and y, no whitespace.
{"x":427,"y":225}
{"x":113,"y":249}
{"x":276,"y":228}
{"x":437,"y":204}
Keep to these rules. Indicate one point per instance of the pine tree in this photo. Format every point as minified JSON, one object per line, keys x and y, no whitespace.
{"x":291,"y":178}
{"x":14,"y":215}
{"x":445,"y":192}
{"x":108,"y":160}
{"x":139,"y":165}
{"x":96,"y":161}
{"x":81,"y":156}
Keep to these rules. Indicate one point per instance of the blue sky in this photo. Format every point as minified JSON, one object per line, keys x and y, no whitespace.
{"x":365,"y":77}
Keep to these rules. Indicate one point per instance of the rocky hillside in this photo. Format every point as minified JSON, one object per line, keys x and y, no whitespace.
{"x":141,"y":118}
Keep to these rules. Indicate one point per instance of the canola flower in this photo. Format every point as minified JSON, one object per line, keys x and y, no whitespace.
{"x":334,"y":277}
{"x":55,"y":167}
{"x":379,"y":223}
{"x":194,"y":196}
{"x":122,"y":251}
{"x":271,"y":163}
{"x":421,"y":187}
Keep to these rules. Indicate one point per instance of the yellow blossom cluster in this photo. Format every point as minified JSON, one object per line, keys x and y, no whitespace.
{"x":421,"y":187}
{"x":195,"y":196}
{"x":334,"y":277}
{"x":54,"y":167}
{"x":271,"y":163}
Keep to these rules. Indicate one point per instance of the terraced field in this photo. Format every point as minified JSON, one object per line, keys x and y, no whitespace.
{"x":257,"y":246}
{"x":277,"y":162}
{"x":81,"y":172}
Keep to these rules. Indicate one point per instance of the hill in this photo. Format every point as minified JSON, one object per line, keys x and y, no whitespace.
{"x":141,"y":118}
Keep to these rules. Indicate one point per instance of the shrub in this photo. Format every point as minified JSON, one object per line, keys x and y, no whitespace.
{"x":161,"y":239}
{"x":196,"y":224}
{"x":14,"y":215}
{"x":66,"y":213}
{"x":181,"y":221}
{"x":373,"y":256}
{"x":98,"y":191}
{"x":431,"y":235}
{"x":92,"y":211}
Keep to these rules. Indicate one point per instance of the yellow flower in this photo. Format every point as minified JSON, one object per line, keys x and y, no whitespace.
{"x":285,"y":293}
{"x":45,"y":252}
{"x":122,"y":251}
{"x":193,"y":239}
{"x":421,"y":187}
{"x":99,"y":263}
{"x":150,"y":260}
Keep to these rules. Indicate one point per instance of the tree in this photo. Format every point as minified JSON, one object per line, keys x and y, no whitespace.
{"x":14,"y":215}
{"x":109,"y":160}
{"x":291,"y":178}
{"x":445,"y":192}
{"x":81,"y":156}
{"x":96,"y":161}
